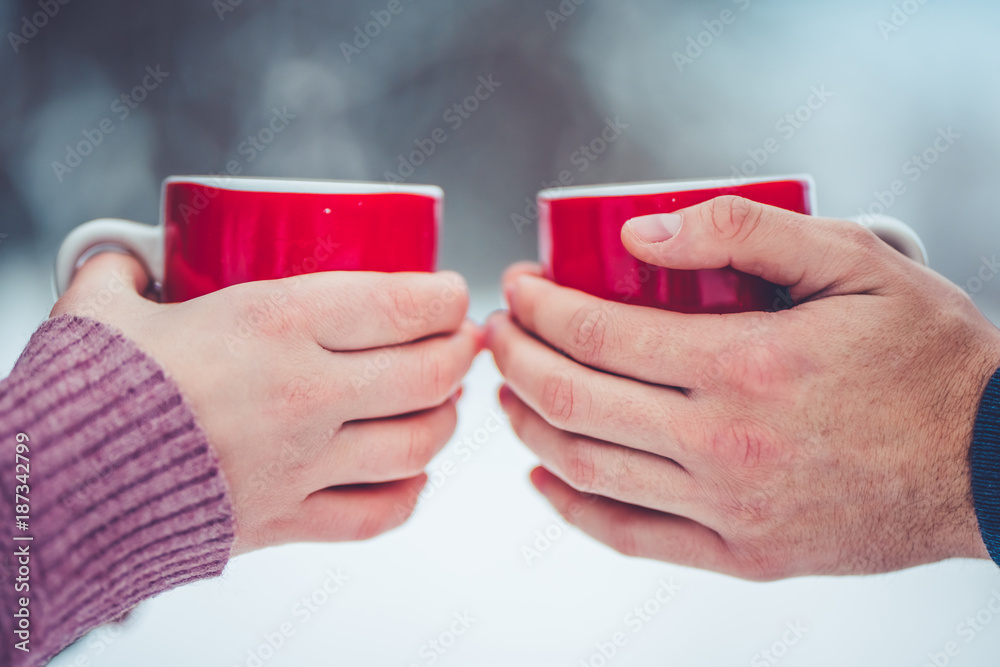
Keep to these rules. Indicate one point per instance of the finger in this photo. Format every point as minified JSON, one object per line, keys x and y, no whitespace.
{"x":812,"y":256}
{"x":408,"y":378}
{"x":581,"y":400}
{"x":594,"y":467}
{"x":104,"y":279}
{"x":353,"y":513}
{"x":369,"y":452}
{"x":112,"y":271}
{"x":649,"y":344}
{"x":516,"y":270}
{"x":637,"y":531}
{"x":347,"y":310}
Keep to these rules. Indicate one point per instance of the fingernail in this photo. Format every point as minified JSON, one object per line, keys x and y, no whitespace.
{"x":655,"y":228}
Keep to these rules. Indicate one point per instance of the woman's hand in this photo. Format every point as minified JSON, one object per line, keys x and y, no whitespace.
{"x":324,"y":395}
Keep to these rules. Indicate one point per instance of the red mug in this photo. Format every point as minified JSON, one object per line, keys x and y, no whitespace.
{"x":217,"y":231}
{"x":580,"y":243}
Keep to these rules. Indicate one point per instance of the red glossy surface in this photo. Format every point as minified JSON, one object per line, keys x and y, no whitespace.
{"x":215,"y":237}
{"x":580,"y":241}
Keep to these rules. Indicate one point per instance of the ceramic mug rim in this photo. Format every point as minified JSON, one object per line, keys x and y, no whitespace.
{"x":672,"y":186}
{"x":316,"y":186}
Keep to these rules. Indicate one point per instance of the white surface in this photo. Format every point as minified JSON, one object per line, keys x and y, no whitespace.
{"x":462,"y":553}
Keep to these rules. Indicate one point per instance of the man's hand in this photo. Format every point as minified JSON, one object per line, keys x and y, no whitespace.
{"x":324,"y":395}
{"x":831,"y":438}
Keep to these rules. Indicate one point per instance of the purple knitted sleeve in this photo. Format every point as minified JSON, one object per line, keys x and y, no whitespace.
{"x":119,"y":495}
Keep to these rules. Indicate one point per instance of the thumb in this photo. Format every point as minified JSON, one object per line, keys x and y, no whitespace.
{"x":104,"y":279}
{"x":809,"y":255}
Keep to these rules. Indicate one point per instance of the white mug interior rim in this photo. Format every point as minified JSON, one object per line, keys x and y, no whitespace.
{"x":667,"y":187}
{"x":306,"y":186}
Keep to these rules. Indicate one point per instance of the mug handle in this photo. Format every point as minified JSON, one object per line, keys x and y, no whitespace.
{"x":144,"y":242}
{"x":897,"y":234}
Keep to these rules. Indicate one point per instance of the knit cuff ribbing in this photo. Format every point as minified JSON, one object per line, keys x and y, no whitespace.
{"x":128,"y":499}
{"x":985,"y":459}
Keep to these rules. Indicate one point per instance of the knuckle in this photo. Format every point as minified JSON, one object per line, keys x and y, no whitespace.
{"x":865,"y":245}
{"x":297,"y":396}
{"x":860,"y":236}
{"x":271,"y":312}
{"x":741,"y":443}
{"x":297,"y":459}
{"x":421,"y":445}
{"x":753,"y":365}
{"x":734,"y":218}
{"x":580,"y":467}
{"x":589,"y":329}
{"x":747,"y":514}
{"x":403,"y":309}
{"x":437,"y":373}
{"x":560,"y":401}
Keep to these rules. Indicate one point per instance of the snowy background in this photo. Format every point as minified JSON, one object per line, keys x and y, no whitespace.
{"x":894,"y":76}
